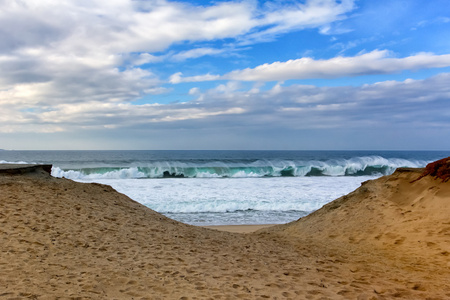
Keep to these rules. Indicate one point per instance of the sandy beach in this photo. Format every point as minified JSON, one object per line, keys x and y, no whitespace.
{"x":239,"y":228}
{"x":388,"y":239}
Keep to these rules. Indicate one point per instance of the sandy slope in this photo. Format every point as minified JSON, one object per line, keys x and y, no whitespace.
{"x":58,"y":238}
{"x":395,"y":230}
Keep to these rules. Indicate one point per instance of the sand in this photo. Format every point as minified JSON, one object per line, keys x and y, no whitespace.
{"x":61,"y":239}
{"x":239,"y":228}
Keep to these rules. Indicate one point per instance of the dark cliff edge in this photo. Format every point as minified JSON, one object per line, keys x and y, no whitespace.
{"x":18,"y":169}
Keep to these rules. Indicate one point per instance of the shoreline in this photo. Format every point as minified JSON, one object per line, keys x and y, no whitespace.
{"x":239,"y":228}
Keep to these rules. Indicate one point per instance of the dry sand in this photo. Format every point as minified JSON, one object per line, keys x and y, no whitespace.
{"x":61,"y":239}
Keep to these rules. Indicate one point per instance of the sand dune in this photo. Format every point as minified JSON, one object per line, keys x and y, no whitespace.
{"x":388,"y":239}
{"x":393,"y":229}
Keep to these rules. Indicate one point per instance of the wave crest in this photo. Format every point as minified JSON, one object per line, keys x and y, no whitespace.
{"x":358,"y":166}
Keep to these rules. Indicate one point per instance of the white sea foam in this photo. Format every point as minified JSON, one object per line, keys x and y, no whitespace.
{"x":14,"y":162}
{"x":235,"y":201}
{"x":125,"y":173}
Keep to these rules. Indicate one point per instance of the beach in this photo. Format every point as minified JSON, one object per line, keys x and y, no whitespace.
{"x":209,"y":188}
{"x":239,"y":228}
{"x":390,"y":238}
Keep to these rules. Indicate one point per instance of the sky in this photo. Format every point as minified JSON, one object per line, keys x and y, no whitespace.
{"x":231,"y":75}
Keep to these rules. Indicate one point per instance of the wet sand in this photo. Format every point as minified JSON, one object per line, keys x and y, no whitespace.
{"x":239,"y":228}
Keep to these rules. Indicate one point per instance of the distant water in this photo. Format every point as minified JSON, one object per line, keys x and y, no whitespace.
{"x":228,"y":187}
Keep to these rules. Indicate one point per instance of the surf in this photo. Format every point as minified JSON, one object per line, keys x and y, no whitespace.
{"x":357,"y":166}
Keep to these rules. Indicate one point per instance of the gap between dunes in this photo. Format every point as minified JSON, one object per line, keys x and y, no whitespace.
{"x":390,"y":238}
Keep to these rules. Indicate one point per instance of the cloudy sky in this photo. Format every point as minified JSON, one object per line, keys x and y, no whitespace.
{"x":281,"y":74}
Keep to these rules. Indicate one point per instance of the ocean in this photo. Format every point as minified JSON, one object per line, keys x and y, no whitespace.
{"x":228,"y":187}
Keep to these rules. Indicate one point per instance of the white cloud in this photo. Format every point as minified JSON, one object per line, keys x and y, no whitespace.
{"x":71,"y":51}
{"x":195,"y":53}
{"x":418,"y":103}
{"x":375,"y":62}
{"x":68,"y":65}
{"x":78,"y":85}
{"x":194,"y":91}
{"x":145,"y":58}
{"x":281,"y":18}
{"x":177,"y":78}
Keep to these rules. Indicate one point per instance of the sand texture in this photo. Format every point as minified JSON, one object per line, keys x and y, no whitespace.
{"x":239,"y":228}
{"x":61,"y":239}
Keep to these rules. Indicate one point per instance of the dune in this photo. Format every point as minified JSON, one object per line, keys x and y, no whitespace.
{"x":394,"y":229}
{"x":62,"y":239}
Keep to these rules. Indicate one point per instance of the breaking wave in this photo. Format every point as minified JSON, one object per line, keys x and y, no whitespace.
{"x":358,"y":166}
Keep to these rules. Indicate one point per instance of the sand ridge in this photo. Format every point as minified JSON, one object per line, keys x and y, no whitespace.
{"x":68,"y":240}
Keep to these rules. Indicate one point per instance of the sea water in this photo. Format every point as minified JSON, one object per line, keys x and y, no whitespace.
{"x":228,"y":187}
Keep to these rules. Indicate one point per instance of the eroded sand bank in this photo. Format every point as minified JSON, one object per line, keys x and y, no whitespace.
{"x":388,"y":239}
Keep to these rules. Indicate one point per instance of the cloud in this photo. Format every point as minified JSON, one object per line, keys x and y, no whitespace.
{"x":77,"y":86}
{"x":375,"y":62}
{"x":79,"y":66}
{"x":177,"y":78}
{"x":124,"y":26}
{"x":417,"y":104}
{"x":281,"y":17}
{"x":145,"y":58}
{"x":197,"y":52}
{"x":56,"y":52}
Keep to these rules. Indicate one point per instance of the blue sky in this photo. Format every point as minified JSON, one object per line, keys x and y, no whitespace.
{"x":318,"y":74}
